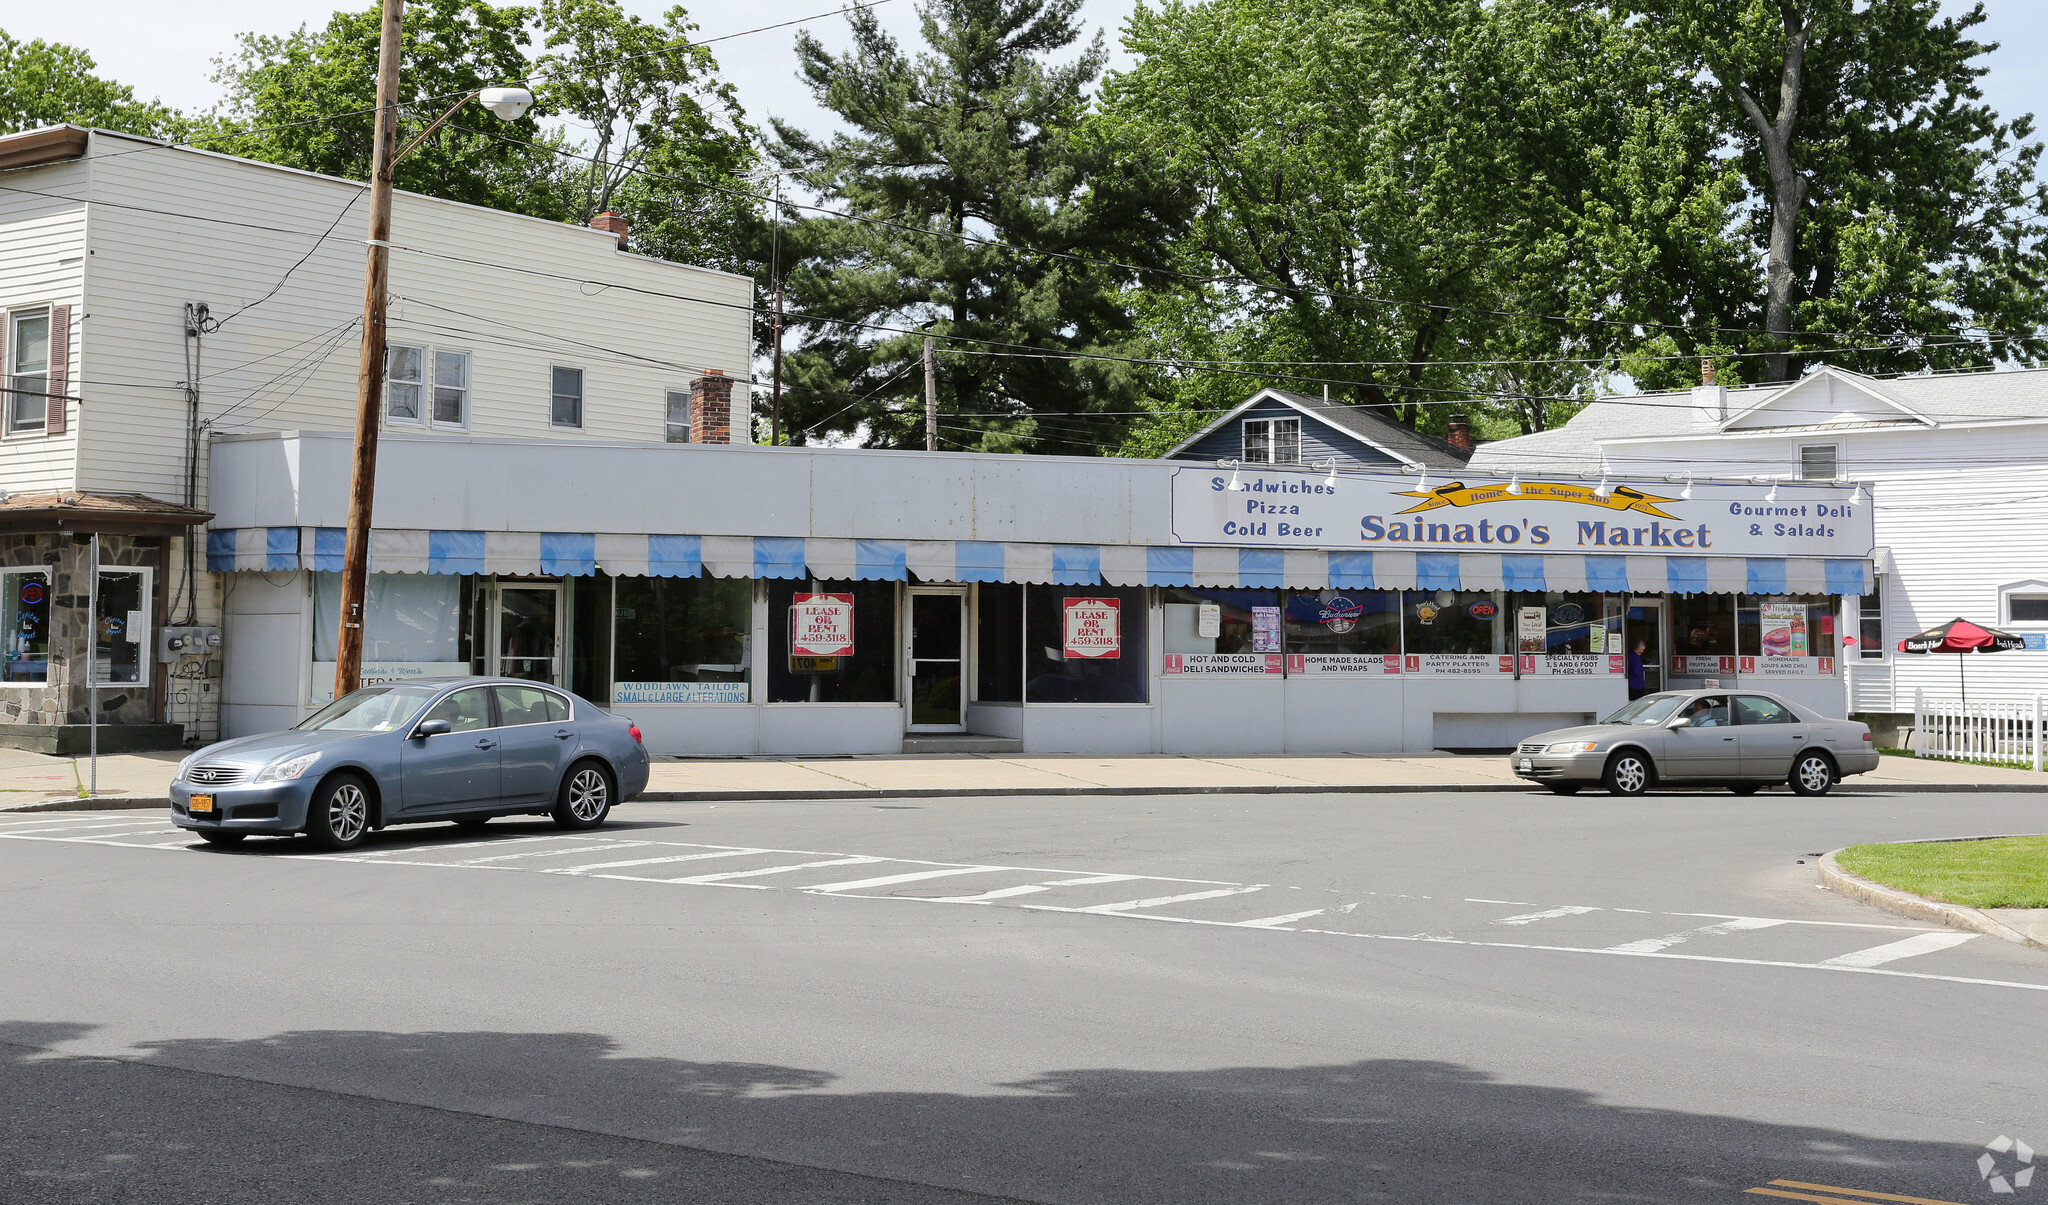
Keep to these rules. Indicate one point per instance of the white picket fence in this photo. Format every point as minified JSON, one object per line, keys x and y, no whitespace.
{"x":2002,"y":732}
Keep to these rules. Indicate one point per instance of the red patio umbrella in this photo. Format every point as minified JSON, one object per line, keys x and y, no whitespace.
{"x":1961,"y":636}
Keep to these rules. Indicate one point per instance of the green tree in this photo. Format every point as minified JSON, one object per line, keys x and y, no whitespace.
{"x":306,"y":100}
{"x":1884,"y":194}
{"x":973,"y":143}
{"x":668,"y":140}
{"x":48,"y":83}
{"x":1427,"y":201}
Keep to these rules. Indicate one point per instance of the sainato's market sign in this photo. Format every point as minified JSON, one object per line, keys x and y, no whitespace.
{"x":1296,"y":508}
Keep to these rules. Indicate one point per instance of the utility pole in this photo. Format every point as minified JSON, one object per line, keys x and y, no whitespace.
{"x":775,"y":274}
{"x":355,"y":563}
{"x":931,"y":397}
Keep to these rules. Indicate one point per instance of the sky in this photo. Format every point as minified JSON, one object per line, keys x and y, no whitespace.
{"x":167,"y":50}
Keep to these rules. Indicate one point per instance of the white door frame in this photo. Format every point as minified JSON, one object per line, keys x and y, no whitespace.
{"x":496,"y":610}
{"x":910,"y":595}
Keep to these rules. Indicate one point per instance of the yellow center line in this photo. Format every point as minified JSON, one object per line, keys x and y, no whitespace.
{"x":1854,"y":1194}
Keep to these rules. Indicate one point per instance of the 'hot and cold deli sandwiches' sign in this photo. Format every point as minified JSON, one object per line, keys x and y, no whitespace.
{"x":1282,"y":508}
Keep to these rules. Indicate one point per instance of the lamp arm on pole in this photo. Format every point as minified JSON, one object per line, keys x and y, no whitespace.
{"x":436,"y":124}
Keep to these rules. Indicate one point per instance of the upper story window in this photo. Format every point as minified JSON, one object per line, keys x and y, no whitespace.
{"x":1272,"y":441}
{"x":568,"y":397}
{"x":2026,"y":603}
{"x":1818,"y":462}
{"x":28,"y":371}
{"x":411,"y":396}
{"x":679,"y":416}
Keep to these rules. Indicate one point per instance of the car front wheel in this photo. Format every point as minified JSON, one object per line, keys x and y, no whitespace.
{"x":1628,"y":773}
{"x":1813,"y":774}
{"x":586,"y":796}
{"x":339,"y":815}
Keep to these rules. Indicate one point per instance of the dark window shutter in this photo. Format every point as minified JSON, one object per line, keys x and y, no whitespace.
{"x":60,"y":369}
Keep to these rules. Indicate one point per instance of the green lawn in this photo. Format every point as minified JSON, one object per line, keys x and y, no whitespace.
{"x":2006,"y":872}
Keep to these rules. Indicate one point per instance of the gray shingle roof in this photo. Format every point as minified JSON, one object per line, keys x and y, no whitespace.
{"x":1948,"y":399}
{"x":1368,"y":425}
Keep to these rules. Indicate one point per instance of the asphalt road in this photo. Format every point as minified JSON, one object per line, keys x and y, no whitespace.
{"x":1406,"y":998}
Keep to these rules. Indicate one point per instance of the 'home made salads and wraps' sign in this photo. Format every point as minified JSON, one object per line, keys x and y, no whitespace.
{"x":1300,"y":508}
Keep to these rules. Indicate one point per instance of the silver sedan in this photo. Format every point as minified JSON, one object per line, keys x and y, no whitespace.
{"x":463,"y":750}
{"x":1740,"y":739}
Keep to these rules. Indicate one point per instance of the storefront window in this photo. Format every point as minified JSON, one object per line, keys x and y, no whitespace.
{"x":1563,"y":623}
{"x":1702,"y":625}
{"x":121,"y":627}
{"x":682,"y":639}
{"x":1448,"y":622}
{"x":1338,"y":630}
{"x":1787,"y":633}
{"x":409,"y":619}
{"x":25,"y":625}
{"x":1870,"y":621}
{"x":999,"y":643}
{"x":867,"y":675}
{"x":1085,"y":644}
{"x":1220,"y":621}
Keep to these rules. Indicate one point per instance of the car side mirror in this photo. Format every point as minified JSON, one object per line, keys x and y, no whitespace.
{"x":433,"y":728}
{"x":1681,"y":722}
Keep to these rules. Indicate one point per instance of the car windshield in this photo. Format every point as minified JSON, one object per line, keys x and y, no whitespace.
{"x":371,"y":709}
{"x":1650,"y":709}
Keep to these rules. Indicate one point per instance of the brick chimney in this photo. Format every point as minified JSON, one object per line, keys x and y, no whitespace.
{"x":612,"y":223}
{"x":711,"y":408}
{"x":1461,"y":433}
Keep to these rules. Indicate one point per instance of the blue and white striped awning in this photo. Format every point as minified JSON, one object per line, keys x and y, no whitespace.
{"x":576,"y":554}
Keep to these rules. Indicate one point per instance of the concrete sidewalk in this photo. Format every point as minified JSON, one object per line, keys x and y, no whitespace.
{"x":37,"y":781}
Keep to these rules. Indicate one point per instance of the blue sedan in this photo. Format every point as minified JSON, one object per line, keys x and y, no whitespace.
{"x":464,"y":749}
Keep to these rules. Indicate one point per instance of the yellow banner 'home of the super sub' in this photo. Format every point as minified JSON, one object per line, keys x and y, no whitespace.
{"x":1620,"y":498}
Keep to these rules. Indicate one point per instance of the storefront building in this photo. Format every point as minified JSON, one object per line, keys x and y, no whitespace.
{"x":740,"y":600}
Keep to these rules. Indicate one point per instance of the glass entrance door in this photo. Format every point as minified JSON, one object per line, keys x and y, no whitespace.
{"x":526,"y":636}
{"x":1646,"y":624}
{"x":938,"y":661}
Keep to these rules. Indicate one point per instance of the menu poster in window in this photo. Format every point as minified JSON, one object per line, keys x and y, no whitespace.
{"x":1265,"y":629}
{"x":1208,"y":621}
{"x":1531,"y":628}
{"x":1093,"y":629}
{"x":821,"y":625}
{"x":1783,"y":626}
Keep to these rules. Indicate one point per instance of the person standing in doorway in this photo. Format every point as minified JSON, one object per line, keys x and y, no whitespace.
{"x":1638,"y":677}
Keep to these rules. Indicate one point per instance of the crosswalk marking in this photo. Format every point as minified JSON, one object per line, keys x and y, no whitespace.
{"x":1911,"y":947}
{"x":721,"y":853}
{"x":1274,"y":922}
{"x":1157,"y":901}
{"x":893,"y":879}
{"x":549,"y":853}
{"x":1650,"y":945}
{"x":1528,"y":918}
{"x":730,"y":875}
{"x":1000,"y":893}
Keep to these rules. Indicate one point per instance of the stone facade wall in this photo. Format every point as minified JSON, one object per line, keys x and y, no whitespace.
{"x":64,"y":699}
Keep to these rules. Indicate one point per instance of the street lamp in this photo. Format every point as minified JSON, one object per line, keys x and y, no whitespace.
{"x":509,"y":104}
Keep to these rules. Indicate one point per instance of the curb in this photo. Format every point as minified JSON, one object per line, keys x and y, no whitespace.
{"x":98,"y":803}
{"x":1906,"y":904}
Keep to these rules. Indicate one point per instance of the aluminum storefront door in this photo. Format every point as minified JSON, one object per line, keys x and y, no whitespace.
{"x":937,"y":664}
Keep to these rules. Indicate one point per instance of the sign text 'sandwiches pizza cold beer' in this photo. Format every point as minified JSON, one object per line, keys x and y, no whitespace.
{"x":1296,"y":509}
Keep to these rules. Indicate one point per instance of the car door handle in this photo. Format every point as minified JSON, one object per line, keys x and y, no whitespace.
{"x":487,"y":744}
{"x":564,"y":735}
{"x":1727,"y":738}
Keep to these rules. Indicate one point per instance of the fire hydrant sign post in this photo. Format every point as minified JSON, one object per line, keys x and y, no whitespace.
{"x":821,"y":625}
{"x":1094,"y":629}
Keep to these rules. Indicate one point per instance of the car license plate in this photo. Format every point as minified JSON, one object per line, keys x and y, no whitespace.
{"x":200,"y":803}
{"x":1525,"y":764}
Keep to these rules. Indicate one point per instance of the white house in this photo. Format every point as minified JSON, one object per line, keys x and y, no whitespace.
{"x":1956,"y":468}
{"x":158,"y":298}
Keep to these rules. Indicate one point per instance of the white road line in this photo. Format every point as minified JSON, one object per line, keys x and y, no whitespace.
{"x":50,"y":822}
{"x":730,"y":875}
{"x":1092,"y":879}
{"x":549,"y":853}
{"x":723,"y":853}
{"x":1911,"y":947}
{"x":1547,"y":914}
{"x":893,"y":879}
{"x":78,"y":826}
{"x":1000,"y":893}
{"x":1651,"y":945}
{"x":1157,"y":901}
{"x":1516,"y":903}
{"x":1274,"y":922}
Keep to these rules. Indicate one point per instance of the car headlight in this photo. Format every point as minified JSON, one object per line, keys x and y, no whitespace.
{"x":1572,"y":747}
{"x":281,"y":770}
